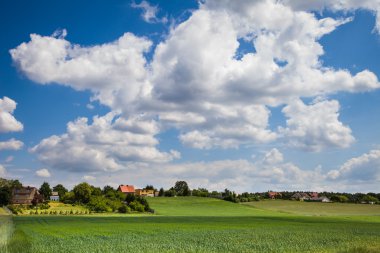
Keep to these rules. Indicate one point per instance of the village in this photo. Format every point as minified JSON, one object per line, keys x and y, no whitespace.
{"x":128,"y":198}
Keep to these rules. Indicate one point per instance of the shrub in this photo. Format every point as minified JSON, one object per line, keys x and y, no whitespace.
{"x":124,"y":209}
{"x":137,"y":206}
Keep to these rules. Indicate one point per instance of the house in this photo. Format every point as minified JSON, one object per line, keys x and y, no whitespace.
{"x":320,"y":199}
{"x":273,"y":195}
{"x":54,"y":196}
{"x":126,"y":189}
{"x":301,"y":196}
{"x":314,"y":194}
{"x":144,"y":193}
{"x":26,"y":196}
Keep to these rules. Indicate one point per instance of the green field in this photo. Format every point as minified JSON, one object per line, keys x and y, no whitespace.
{"x":199,"y":225}
{"x":316,"y":208}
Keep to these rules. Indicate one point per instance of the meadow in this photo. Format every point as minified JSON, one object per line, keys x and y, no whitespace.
{"x":191,"y":224}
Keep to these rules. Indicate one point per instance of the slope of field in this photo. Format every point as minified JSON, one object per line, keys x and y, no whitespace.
{"x":216,"y":226}
{"x":195,"y":206}
{"x":316,"y":208}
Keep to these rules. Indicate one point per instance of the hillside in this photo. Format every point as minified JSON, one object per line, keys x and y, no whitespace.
{"x":196,"y":206}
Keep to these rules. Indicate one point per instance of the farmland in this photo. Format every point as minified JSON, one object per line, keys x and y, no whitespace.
{"x":192,"y":224}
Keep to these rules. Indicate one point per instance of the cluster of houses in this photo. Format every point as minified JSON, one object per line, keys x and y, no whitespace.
{"x":301,"y":196}
{"x":30,"y":195}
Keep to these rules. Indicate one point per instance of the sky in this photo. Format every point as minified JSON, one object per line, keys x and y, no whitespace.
{"x":245,"y":95}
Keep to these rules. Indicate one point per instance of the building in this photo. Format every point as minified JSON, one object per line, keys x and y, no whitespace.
{"x":126,"y":189}
{"x":274,"y":195}
{"x":301,"y":196}
{"x":144,"y":193}
{"x":26,"y":196}
{"x":320,"y":199}
{"x":54,"y":196}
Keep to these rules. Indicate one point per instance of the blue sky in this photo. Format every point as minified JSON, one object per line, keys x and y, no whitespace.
{"x":250,"y":96}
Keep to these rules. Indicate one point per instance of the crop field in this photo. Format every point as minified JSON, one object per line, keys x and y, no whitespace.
{"x":316,"y":209}
{"x":196,"y":225}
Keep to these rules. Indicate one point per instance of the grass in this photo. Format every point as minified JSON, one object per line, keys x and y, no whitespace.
{"x":316,"y":208}
{"x":197,"y":225}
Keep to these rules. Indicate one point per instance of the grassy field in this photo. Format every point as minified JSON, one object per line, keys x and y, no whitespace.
{"x":197,"y":225}
{"x":316,"y":209}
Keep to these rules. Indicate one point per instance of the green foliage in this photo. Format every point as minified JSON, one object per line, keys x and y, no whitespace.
{"x":124,"y":209}
{"x":82,"y":192}
{"x":181,"y":188}
{"x":136,"y":206}
{"x":170,"y":193}
{"x":5,"y":195}
{"x":339,"y":198}
{"x":68,"y":198}
{"x":161,"y":193}
{"x":45,"y":190}
{"x":200,"y":192}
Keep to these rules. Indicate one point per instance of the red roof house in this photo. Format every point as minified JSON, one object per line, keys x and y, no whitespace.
{"x":126,"y":189}
{"x":273,"y":195}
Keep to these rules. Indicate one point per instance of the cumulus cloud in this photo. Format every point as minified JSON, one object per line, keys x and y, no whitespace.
{"x":196,"y":83}
{"x":9,"y":159}
{"x":109,"y":143}
{"x":43,"y":173}
{"x":316,"y":126}
{"x":363,"y":168}
{"x":3,"y":171}
{"x":11,"y":144}
{"x":237,"y":175}
{"x":89,"y":178}
{"x":149,"y":12}
{"x":8,"y":122}
{"x":341,"y":5}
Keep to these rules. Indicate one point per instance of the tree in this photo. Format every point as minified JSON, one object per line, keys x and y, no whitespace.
{"x":161,"y":193}
{"x":96,"y":191}
{"x":181,"y":188}
{"x":5,"y":195}
{"x":82,"y":192}
{"x":150,"y":187}
{"x":60,"y":189}
{"x":45,"y":190}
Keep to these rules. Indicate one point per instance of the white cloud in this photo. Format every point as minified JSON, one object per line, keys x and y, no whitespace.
{"x":109,"y":143}
{"x":43,"y":173}
{"x":316,"y":126}
{"x":274,"y":156}
{"x":114,"y":72}
{"x":11,"y":144}
{"x":3,"y":171}
{"x":196,"y":83}
{"x":8,"y":122}
{"x":89,"y":178}
{"x":149,"y":13}
{"x":341,"y":5}
{"x":363,"y":168}
{"x":9,"y":159}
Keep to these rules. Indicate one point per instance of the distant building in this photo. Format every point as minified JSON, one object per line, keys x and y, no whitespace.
{"x":274,"y":195}
{"x":26,"y":196}
{"x":314,"y":194}
{"x":126,"y":189}
{"x":320,"y":199}
{"x":301,"y":196}
{"x":144,"y":193}
{"x":54,"y":196}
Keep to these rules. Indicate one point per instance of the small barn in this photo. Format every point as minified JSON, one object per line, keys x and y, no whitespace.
{"x":54,"y":196}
